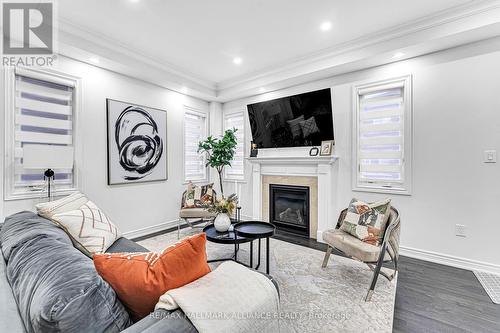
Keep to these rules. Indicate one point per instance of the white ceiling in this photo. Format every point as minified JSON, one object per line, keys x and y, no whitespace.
{"x":202,"y":37}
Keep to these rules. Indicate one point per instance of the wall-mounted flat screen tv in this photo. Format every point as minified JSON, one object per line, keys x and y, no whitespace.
{"x":293,"y":121}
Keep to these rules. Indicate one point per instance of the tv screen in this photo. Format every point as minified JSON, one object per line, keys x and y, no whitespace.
{"x":293,"y":121}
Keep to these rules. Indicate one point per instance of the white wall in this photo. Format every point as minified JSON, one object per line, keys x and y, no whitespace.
{"x":456,"y":118}
{"x":131,"y":207}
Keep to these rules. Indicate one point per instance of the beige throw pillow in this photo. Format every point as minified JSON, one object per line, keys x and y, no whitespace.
{"x":89,"y":226}
{"x":71,"y":202}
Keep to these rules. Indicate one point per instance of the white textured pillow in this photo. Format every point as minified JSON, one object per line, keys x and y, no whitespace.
{"x":71,"y":202}
{"x":89,"y":226}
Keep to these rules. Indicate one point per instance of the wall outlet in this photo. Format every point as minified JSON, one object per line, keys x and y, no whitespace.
{"x":460,"y":230}
{"x":490,"y":156}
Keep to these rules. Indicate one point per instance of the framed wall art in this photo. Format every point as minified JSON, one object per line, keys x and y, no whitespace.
{"x":137,"y":143}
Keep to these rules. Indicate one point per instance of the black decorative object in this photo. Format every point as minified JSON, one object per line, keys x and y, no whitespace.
{"x":137,"y":138}
{"x":254,"y":151}
{"x":314,"y":151}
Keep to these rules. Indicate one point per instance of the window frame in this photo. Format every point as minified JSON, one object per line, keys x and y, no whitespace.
{"x":9,"y":126}
{"x":225,"y":115}
{"x":406,"y":186}
{"x":197,"y":112}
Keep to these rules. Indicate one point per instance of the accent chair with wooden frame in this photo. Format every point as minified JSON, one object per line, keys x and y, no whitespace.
{"x":373,"y":256}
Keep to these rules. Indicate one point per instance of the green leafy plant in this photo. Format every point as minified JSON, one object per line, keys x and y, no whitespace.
{"x":219,"y":152}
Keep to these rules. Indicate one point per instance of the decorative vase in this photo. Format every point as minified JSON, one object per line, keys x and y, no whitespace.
{"x":222,"y":222}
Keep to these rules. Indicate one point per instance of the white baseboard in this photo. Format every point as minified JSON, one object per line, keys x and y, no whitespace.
{"x":449,"y":260}
{"x":151,"y":229}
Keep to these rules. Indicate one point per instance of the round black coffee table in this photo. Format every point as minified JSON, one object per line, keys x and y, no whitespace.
{"x":252,"y":230}
{"x":227,"y":237}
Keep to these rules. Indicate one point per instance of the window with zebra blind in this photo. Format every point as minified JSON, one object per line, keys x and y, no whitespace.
{"x":40,"y":111}
{"x":237,"y":169}
{"x":382,"y":128}
{"x":195,"y":130}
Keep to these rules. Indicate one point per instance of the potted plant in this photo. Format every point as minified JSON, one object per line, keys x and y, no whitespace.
{"x":224,"y":209}
{"x":219,"y":152}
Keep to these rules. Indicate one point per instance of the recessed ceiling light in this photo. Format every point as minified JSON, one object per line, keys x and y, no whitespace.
{"x":184,"y":89}
{"x":134,"y":0}
{"x":398,"y":55}
{"x":325,"y":26}
{"x":95,"y":60}
{"x":237,"y":61}
{"x":262,"y":90}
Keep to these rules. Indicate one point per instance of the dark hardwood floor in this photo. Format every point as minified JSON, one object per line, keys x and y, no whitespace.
{"x":432,"y":297}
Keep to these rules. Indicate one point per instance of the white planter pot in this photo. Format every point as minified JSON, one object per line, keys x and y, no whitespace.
{"x":222,"y":222}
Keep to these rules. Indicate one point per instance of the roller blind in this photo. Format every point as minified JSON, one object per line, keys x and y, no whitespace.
{"x":43,"y":116}
{"x":236,"y":171}
{"x":194,"y":132}
{"x":381,"y":136}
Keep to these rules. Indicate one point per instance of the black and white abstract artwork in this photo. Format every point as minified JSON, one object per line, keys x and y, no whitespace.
{"x":137,"y":143}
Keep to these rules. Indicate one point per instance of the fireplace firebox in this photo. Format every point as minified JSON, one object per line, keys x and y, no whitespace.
{"x":289,"y":208}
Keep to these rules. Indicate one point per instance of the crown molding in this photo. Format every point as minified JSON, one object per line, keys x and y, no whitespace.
{"x":434,"y":20}
{"x":443,"y":30}
{"x":474,"y":21}
{"x":80,"y":44}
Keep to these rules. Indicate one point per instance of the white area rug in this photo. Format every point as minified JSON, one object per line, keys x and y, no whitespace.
{"x":491,"y":284}
{"x":313,"y":299}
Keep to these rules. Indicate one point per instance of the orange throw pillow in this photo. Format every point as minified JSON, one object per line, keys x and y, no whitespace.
{"x":139,"y":279}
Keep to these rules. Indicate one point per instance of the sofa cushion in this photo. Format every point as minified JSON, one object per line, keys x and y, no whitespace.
{"x":123,"y":244}
{"x":367,"y":221}
{"x":309,"y":127}
{"x":295,"y":126}
{"x":352,"y":246}
{"x":55,"y":286}
{"x":149,"y":275}
{"x":71,"y":202}
{"x":89,"y":227}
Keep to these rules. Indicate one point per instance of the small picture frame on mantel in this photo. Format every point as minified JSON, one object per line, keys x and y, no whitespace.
{"x":326,"y":148}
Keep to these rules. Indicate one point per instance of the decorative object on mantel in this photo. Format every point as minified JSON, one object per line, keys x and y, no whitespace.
{"x":314,"y":151}
{"x":48,"y":158}
{"x":254,"y":151}
{"x":219,"y":152}
{"x":224,"y":209}
{"x":326,"y":148}
{"x":137,"y":137}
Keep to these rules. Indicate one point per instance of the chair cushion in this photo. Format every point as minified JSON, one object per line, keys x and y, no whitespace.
{"x":139,"y":279}
{"x":367,"y":221}
{"x":189,"y":213}
{"x":197,"y":196}
{"x":352,"y":246}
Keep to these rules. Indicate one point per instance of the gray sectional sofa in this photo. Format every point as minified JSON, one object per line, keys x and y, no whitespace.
{"x":47,"y":285}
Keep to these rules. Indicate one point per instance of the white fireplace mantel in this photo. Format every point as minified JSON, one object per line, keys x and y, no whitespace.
{"x":296,"y":159}
{"x":316,"y":166}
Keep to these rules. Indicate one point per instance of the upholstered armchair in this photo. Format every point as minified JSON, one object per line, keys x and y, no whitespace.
{"x":194,"y":214}
{"x":373,"y":256}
